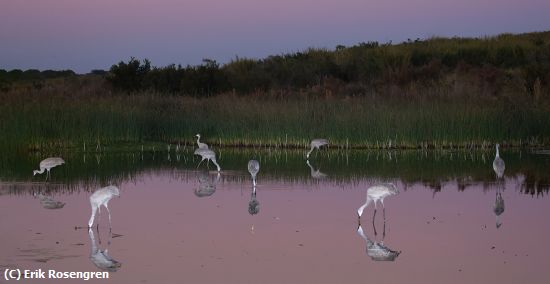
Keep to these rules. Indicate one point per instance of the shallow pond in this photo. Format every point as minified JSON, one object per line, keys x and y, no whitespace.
{"x":174,"y":223}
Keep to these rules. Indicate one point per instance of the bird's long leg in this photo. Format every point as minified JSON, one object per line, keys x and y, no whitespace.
{"x":108,"y":211}
{"x":91,"y":222}
{"x":373,"y":225}
{"x":208,"y":163}
{"x":200,"y":163}
{"x":98,"y":235}
{"x":384,"y":230}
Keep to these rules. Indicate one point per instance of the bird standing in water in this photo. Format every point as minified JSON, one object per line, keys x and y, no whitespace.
{"x":102,"y":197}
{"x":375,"y":193}
{"x":199,"y":143}
{"x":498,"y":164}
{"x":207,"y":155}
{"x":47,"y":164}
{"x":253,"y":169}
{"x":316,"y":144}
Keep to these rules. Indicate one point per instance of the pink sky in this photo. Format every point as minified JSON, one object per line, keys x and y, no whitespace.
{"x":84,"y":35}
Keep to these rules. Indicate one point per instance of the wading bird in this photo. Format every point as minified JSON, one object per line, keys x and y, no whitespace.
{"x":207,"y":155}
{"x":101,"y":258}
{"x":375,"y":193}
{"x":498,"y":164}
{"x":253,"y":169}
{"x":316,"y":143}
{"x":102,"y":197}
{"x":47,"y":164}
{"x":201,"y":145}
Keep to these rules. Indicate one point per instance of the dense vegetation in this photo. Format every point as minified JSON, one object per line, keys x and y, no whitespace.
{"x":425,"y":93}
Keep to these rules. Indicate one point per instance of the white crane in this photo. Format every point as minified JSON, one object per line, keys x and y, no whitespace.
{"x":200,"y":144}
{"x":316,"y":144}
{"x":498,"y":164}
{"x":375,"y":193}
{"x":207,"y":155}
{"x":253,"y":169}
{"x":102,"y":197}
{"x":47,"y":164}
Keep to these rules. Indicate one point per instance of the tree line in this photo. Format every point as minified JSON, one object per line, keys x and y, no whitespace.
{"x":505,"y":59}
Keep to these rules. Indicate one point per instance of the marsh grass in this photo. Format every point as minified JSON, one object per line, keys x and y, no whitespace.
{"x":38,"y":120}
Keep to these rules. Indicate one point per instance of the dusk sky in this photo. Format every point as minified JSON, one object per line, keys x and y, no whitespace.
{"x":84,"y":35}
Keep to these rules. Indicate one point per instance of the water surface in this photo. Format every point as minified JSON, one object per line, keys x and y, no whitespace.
{"x":174,"y":223}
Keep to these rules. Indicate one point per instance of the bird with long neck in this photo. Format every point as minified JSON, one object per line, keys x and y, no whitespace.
{"x":47,"y":164}
{"x":498,"y":164}
{"x":253,"y":169}
{"x":208,"y":155}
{"x":375,"y":193}
{"x":101,"y":197}
{"x":199,"y":143}
{"x":316,"y":144}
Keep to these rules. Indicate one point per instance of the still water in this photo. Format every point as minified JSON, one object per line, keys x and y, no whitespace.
{"x":453,"y":220}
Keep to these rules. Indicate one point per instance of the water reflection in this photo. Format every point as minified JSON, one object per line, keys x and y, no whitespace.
{"x":49,"y":203}
{"x":102,"y":197}
{"x":207,"y":186}
{"x":253,"y":204}
{"x":498,"y":207}
{"x":316,"y":174}
{"x":432,"y":168}
{"x":101,"y":258}
{"x":377,"y":250}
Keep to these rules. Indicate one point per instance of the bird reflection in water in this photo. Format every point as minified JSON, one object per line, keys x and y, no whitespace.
{"x":207,"y":186}
{"x":254,"y":204}
{"x":499,"y":167}
{"x":101,"y":258}
{"x":377,"y":250}
{"x":316,"y":174}
{"x":49,"y":203}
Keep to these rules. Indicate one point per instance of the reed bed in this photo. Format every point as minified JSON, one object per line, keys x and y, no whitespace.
{"x":41,"y":120}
